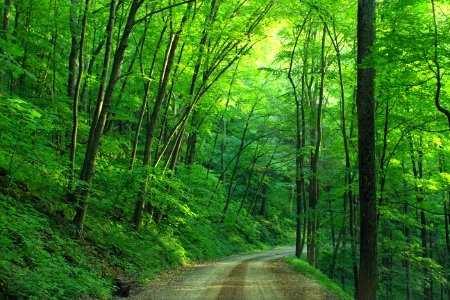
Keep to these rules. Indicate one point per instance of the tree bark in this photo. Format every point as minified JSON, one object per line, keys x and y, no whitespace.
{"x":73,"y":50}
{"x":417,"y":168}
{"x":298,"y":146}
{"x":367,"y":289}
{"x":437,"y":72}
{"x":4,"y":33}
{"x":447,"y":238}
{"x":6,"y":18}
{"x":76,"y":96}
{"x":314,"y":185}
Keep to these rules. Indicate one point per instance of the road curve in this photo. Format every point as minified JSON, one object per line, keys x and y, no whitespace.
{"x":262,"y":275}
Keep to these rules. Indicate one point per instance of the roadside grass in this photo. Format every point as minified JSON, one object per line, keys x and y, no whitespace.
{"x":317,"y":276}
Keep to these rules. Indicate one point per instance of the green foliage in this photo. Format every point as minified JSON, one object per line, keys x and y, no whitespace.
{"x":45,"y":260}
{"x":317,"y":276}
{"x":39,"y":261}
{"x":183,"y":219}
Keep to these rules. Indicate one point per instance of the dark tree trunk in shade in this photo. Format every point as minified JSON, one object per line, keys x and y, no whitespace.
{"x":6,"y":17}
{"x":73,"y":50}
{"x":367,"y":289}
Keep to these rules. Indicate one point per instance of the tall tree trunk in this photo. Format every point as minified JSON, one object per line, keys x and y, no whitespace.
{"x":5,"y":28}
{"x":263,"y":210}
{"x":105,"y":69}
{"x":90,"y":68}
{"x":76,"y":97}
{"x":437,"y":72}
{"x":73,"y":50}
{"x":249,"y":180}
{"x":137,"y":53}
{"x":298,"y":146}
{"x":145,"y":99}
{"x":192,"y":139}
{"x":353,"y":241}
{"x":417,"y":168}
{"x":365,"y":99}
{"x":406,"y":232}
{"x":447,"y":238}
{"x":6,"y":18}
{"x":253,"y":205}
{"x":152,"y":122}
{"x":348,"y":193}
{"x":385,"y":225}
{"x":236,"y":163}
{"x":314,"y":185}
{"x":54,"y":47}
{"x":97,"y":128}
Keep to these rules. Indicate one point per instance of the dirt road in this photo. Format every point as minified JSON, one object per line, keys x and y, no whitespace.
{"x":262,"y":275}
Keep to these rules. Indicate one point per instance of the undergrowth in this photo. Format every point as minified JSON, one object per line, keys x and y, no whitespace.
{"x":42,"y":255}
{"x":317,"y":276}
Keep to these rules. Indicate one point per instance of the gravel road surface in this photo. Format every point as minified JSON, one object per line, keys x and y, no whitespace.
{"x":262,"y":275}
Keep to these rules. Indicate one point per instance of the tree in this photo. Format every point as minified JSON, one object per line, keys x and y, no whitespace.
{"x":365,"y":97}
{"x":98,"y":123}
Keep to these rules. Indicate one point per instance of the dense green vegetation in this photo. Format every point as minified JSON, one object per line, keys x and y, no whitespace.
{"x":140,"y":135}
{"x":312,"y":273}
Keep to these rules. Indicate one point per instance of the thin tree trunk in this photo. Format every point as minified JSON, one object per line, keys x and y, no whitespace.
{"x":73,"y":50}
{"x":145,"y":99}
{"x":298,"y":147}
{"x":447,"y":238}
{"x":263,"y":210}
{"x":348,"y":194}
{"x":340,"y":239}
{"x":207,"y":83}
{"x":313,"y":194}
{"x":249,"y":180}
{"x":6,"y":18}
{"x":417,"y":168}
{"x":137,"y":52}
{"x":332,"y":225}
{"x":90,"y":68}
{"x":353,"y":242}
{"x":406,"y":232}
{"x":76,"y":96}
{"x":252,"y":207}
{"x":151,"y":125}
{"x":437,"y":72}
{"x":236,"y":163}
{"x":21,"y":80}
{"x":5,"y":29}
{"x":192,"y":139}
{"x":98,"y":126}
{"x":171,"y":100}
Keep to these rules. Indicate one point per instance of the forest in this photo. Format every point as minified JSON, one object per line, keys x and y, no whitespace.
{"x":137,"y":136}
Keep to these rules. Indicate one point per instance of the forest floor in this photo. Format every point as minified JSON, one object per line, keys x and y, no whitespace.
{"x":263,"y":275}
